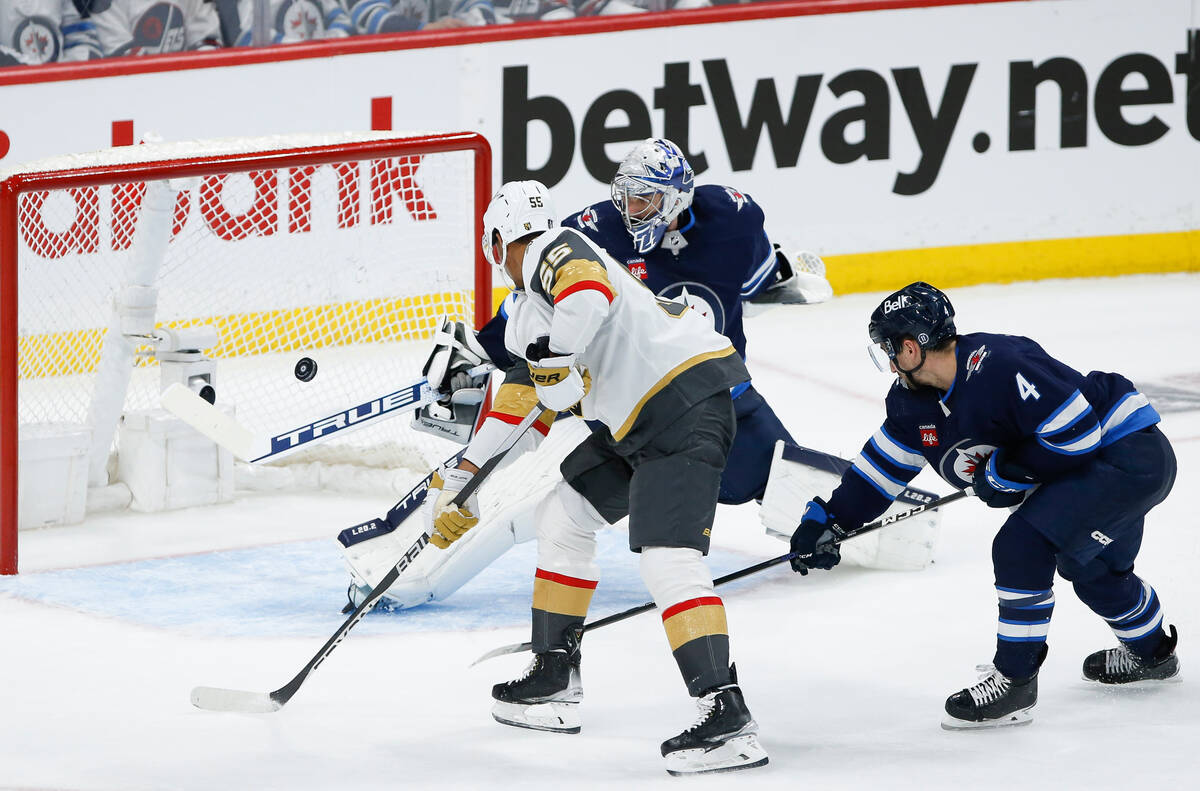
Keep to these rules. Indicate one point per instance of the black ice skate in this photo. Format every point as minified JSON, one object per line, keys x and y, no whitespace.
{"x":995,"y":701}
{"x":722,"y":739}
{"x":1121,"y":666}
{"x":545,"y":698}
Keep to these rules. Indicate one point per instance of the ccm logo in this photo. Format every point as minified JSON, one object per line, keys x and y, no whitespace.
{"x":1103,"y":539}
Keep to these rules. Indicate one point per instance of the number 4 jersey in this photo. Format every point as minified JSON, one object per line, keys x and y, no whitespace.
{"x":1007,"y":393}
{"x":649,"y":359}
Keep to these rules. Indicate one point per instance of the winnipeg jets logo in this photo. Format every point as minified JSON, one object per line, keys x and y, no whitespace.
{"x":700,"y":298}
{"x":975,"y":361}
{"x":299,"y":20}
{"x":738,"y":198}
{"x":587,"y":219}
{"x":37,"y":39}
{"x":959,"y":464}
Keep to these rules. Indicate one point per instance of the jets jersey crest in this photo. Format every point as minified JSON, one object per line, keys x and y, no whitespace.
{"x":1008,"y":394}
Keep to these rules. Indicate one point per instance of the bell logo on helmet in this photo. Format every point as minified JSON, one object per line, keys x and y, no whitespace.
{"x":899,"y":303}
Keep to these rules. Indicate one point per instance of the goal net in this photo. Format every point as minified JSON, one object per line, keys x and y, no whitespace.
{"x":224,"y":263}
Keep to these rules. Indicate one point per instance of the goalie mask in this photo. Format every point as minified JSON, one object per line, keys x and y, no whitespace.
{"x":652,"y":187}
{"x":520,"y":208}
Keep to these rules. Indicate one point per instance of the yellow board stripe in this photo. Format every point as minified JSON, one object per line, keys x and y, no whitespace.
{"x":695,"y":622}
{"x":260,"y":332}
{"x":1006,"y":262}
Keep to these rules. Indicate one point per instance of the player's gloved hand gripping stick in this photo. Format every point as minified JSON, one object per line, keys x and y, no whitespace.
{"x":517,"y":648}
{"x":217,"y":699}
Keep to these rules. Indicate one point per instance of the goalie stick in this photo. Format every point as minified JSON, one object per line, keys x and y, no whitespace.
{"x":219,"y":699}
{"x":516,"y":648}
{"x":226,"y":431}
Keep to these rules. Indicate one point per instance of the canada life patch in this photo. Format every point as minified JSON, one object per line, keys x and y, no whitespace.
{"x":929,"y":437}
{"x":637,"y":268}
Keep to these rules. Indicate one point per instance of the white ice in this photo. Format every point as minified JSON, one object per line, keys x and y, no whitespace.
{"x":111,"y":624}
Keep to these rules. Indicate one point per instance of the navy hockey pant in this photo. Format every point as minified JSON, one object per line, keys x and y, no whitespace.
{"x":1088,"y":526}
{"x":749,"y":463}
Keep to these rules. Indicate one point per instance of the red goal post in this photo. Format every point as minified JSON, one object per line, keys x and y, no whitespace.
{"x":69,"y":250}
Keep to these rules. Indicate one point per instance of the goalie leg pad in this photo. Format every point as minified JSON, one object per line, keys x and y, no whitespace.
{"x":798,"y":474}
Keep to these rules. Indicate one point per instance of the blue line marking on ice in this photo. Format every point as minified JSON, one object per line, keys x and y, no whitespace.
{"x":298,"y":590}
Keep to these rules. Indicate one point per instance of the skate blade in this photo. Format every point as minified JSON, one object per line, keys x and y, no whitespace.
{"x":1020,"y":717}
{"x":1146,"y":683}
{"x":740,"y":752}
{"x":553,"y":717}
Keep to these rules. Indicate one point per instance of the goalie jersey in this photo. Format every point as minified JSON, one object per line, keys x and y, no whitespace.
{"x":1008,"y":393}
{"x":719,"y":256}
{"x":648,"y":359}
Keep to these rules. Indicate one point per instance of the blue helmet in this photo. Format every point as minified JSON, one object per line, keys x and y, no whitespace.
{"x":652,"y":187}
{"x":918,"y":311}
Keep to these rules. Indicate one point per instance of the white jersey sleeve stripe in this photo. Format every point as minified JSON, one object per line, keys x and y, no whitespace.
{"x":897,"y":453}
{"x":1131,"y":403}
{"x":1084,"y":444}
{"x":876,"y":476}
{"x":1071,"y":410}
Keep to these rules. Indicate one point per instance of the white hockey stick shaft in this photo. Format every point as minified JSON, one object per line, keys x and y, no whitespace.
{"x":225,"y":430}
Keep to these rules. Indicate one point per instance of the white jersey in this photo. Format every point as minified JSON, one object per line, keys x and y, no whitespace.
{"x":45,"y":31}
{"x":146,"y":27}
{"x":633,"y":344}
{"x":295,"y":20}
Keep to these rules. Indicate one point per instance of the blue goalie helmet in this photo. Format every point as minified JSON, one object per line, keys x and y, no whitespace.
{"x":918,"y":311}
{"x":652,"y":187}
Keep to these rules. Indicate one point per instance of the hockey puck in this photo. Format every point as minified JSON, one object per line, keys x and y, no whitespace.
{"x":306,"y":369}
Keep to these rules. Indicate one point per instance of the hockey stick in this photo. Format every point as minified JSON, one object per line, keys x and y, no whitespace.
{"x":218,"y":699}
{"x":517,"y":648}
{"x":226,"y":431}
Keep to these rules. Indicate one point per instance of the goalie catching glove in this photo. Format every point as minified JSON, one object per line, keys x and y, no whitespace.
{"x":449,"y":522}
{"x":456,"y":351}
{"x":559,"y":380}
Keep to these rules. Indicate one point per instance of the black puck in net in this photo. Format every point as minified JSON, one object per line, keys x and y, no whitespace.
{"x":306,"y":369}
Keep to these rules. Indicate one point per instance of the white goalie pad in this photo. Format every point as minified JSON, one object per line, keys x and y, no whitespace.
{"x":798,"y":474}
{"x":508,"y":500}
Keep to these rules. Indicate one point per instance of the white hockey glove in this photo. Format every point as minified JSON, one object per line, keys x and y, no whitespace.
{"x":449,"y":522}
{"x":559,"y":380}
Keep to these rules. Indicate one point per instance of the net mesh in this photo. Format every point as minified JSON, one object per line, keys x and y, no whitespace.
{"x":350,"y":263}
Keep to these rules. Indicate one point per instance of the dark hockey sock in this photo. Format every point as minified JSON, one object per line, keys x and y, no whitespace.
{"x":1130,"y":606}
{"x":699,"y":638}
{"x":1023,"y":561}
{"x":1021,"y":630}
{"x":559,"y":603}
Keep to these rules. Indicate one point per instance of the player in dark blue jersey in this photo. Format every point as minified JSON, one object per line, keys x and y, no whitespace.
{"x":701,"y":246}
{"x":1079,"y":460}
{"x":704,"y":247}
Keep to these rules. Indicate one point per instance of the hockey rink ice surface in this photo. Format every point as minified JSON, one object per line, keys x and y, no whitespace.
{"x":111,"y":624}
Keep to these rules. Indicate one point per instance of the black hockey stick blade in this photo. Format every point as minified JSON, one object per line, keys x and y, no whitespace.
{"x":516,"y":648}
{"x":218,"y":699}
